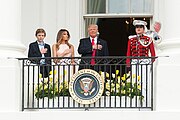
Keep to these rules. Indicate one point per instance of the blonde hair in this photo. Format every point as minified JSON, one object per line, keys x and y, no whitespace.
{"x":92,"y":25}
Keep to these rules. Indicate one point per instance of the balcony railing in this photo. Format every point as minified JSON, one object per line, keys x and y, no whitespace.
{"x":125,"y":86}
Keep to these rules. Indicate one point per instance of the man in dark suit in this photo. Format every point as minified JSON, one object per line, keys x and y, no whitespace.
{"x":40,"y":49}
{"x":91,"y":47}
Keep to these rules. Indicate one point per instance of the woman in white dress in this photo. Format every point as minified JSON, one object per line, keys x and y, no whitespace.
{"x":62,"y":48}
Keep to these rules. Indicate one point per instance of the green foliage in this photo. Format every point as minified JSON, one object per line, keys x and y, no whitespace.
{"x":122,"y":86}
{"x":49,"y":87}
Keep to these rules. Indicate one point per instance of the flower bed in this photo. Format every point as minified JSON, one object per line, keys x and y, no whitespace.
{"x":128,"y":86}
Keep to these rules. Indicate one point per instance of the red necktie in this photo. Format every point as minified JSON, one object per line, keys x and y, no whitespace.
{"x":93,"y":53}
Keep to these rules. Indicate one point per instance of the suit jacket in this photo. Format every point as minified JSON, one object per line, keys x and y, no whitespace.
{"x":85,"y":49}
{"x":35,"y":52}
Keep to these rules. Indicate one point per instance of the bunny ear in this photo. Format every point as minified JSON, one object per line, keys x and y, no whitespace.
{"x":157,"y":26}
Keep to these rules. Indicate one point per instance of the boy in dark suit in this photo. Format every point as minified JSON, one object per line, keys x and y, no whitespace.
{"x":90,"y":47}
{"x":41,"y":49}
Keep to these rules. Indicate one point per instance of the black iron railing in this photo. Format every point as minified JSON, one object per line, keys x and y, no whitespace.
{"x":125,"y":86}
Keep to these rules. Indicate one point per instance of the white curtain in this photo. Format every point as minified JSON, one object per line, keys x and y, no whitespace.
{"x":94,"y":6}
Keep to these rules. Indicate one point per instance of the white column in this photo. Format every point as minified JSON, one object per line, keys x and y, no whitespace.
{"x":10,"y":29}
{"x":168,"y":68}
{"x":10,"y":47}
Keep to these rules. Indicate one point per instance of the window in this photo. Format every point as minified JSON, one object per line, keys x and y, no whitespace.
{"x":96,"y":6}
{"x":116,"y":9}
{"x":119,"y":6}
{"x":114,"y":18}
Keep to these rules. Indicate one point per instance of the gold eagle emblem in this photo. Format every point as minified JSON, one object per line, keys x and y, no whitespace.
{"x":86,"y":85}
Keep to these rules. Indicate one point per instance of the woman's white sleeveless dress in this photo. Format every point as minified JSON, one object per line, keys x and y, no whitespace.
{"x":64,"y":67}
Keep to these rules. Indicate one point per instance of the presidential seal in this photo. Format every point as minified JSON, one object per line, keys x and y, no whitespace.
{"x":86,"y":86}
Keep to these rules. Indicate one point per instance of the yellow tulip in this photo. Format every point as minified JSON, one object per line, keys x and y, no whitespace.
{"x":139,"y":77}
{"x":134,"y":75}
{"x":119,"y":79}
{"x":50,"y":72}
{"x":107,"y":75}
{"x":55,"y":72}
{"x":65,"y":72}
{"x":117,"y":72}
{"x":50,"y":79}
{"x":123,"y":78}
{"x":60,"y":87}
{"x":107,"y":86}
{"x":40,"y":75}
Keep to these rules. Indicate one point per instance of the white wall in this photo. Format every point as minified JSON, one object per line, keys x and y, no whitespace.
{"x":52,"y":15}
{"x":167,"y":81}
{"x":90,"y":115}
{"x":10,"y":100}
{"x":10,"y":48}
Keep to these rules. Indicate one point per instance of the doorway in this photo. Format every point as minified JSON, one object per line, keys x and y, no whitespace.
{"x":116,"y":31}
